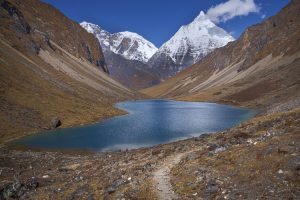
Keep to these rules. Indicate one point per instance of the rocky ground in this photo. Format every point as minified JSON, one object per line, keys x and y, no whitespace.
{"x":259,"y":159}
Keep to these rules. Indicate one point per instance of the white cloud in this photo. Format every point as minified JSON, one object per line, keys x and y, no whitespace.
{"x":263,"y":16}
{"x":232,"y":8}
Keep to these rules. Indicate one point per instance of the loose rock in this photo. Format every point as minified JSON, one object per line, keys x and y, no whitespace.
{"x":55,"y":122}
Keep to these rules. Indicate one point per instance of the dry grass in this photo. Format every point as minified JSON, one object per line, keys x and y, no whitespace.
{"x":33,"y":92}
{"x":246,"y":170}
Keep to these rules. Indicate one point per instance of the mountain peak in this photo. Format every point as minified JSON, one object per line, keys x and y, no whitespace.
{"x":191,"y":43}
{"x":201,"y":17}
{"x":130,"y":45}
{"x":90,"y":27}
{"x":201,"y":14}
{"x":129,"y":34}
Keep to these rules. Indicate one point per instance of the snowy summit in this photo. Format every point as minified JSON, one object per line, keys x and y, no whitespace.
{"x":190,"y":43}
{"x":130,"y":45}
{"x":198,"y":38}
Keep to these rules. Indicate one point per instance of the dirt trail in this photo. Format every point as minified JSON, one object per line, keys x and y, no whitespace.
{"x":161,"y":177}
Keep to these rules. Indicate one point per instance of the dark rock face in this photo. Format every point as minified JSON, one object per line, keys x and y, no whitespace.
{"x":20,"y":23}
{"x":167,"y":67}
{"x":55,"y":122}
{"x":102,"y":64}
{"x":131,"y":73}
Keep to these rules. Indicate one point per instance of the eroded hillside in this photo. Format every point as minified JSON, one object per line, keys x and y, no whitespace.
{"x":50,"y":67}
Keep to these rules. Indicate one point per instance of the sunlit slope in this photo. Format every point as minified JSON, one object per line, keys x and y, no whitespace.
{"x":50,"y":67}
{"x":261,"y":68}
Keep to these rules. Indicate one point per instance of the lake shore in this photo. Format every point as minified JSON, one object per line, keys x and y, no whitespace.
{"x":270,"y":138}
{"x":149,"y":123}
{"x":19,"y":132}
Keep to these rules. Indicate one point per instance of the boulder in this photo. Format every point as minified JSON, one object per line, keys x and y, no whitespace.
{"x":211,"y":187}
{"x":117,"y":183}
{"x":55,"y":122}
{"x":31,"y":183}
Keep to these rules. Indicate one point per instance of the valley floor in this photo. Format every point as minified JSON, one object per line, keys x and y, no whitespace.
{"x":259,"y":159}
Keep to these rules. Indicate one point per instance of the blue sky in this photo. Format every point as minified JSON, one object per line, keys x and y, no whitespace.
{"x":158,"y":20}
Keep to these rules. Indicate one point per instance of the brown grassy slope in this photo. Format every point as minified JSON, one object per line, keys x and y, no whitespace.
{"x":30,"y":24}
{"x":42,"y":77}
{"x":262,"y":64}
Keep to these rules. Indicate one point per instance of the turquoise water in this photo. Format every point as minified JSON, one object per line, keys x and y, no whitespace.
{"x":149,"y":122}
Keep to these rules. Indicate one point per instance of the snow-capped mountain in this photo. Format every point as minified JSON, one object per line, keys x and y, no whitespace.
{"x":190,"y":43}
{"x":130,"y":45}
{"x":126,"y":55}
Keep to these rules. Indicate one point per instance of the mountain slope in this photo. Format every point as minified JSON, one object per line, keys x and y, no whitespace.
{"x":132,"y":73}
{"x":261,"y":68}
{"x":50,"y":67}
{"x":190,"y":44}
{"x":126,"y":55}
